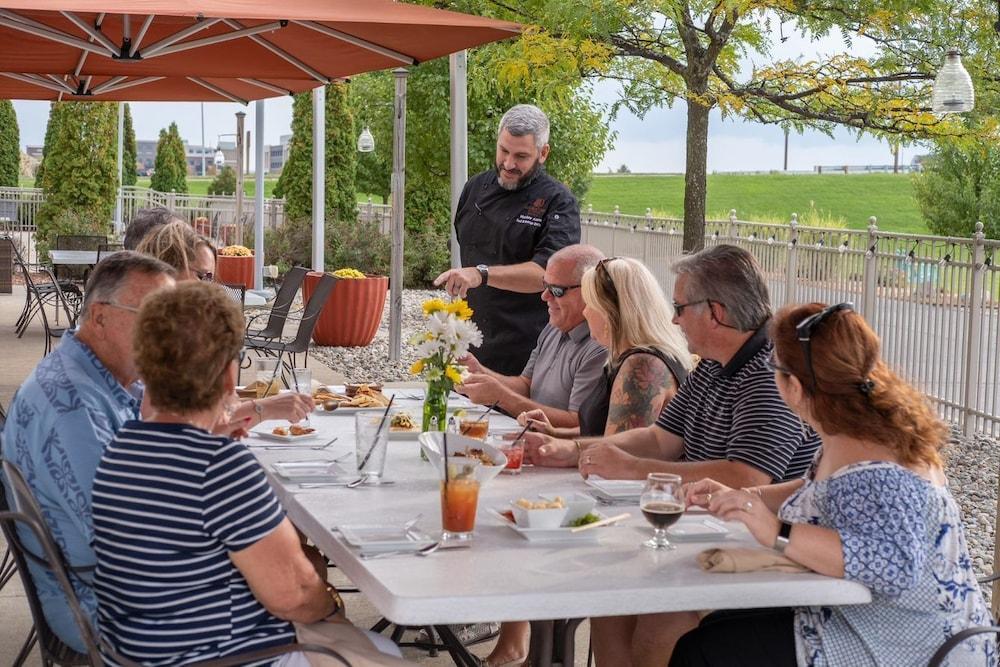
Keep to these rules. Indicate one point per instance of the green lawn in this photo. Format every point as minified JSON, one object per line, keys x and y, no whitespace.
{"x":833,"y":199}
{"x":846,"y":199}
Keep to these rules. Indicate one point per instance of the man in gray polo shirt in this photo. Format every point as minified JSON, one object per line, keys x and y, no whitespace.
{"x":566,"y":363}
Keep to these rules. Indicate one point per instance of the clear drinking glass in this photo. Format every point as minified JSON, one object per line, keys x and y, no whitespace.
{"x":302,"y":383}
{"x":266,"y":375}
{"x":662,"y":505}
{"x":372,"y":443}
{"x":459,"y":498}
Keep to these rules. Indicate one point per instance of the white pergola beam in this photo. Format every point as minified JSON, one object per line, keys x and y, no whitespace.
{"x":215,"y":39}
{"x":94,"y":33}
{"x":356,"y":41}
{"x":265,"y":85}
{"x":53,"y":35}
{"x":178,"y":36}
{"x":27,"y":79}
{"x":281,"y":53}
{"x":142,"y":33}
{"x":217,"y":90}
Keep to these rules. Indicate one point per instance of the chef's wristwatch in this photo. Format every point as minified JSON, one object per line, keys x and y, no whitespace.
{"x":484,"y":272}
{"x":338,"y":602}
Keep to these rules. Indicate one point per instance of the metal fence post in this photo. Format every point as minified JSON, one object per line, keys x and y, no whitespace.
{"x":732,"y":223}
{"x":974,"y":336}
{"x":870,"y":286}
{"x":793,"y":259}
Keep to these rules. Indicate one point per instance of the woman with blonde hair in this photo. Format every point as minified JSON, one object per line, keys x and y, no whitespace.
{"x":875,"y":509}
{"x":647,"y":361}
{"x":177,"y":244}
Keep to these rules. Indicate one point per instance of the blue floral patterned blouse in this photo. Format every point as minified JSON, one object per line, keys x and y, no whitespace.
{"x":902,"y":538}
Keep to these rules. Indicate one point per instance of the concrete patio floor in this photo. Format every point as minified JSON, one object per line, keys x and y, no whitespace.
{"x":20,"y":355}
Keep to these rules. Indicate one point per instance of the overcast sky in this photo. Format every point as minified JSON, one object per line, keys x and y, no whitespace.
{"x":654,"y":144}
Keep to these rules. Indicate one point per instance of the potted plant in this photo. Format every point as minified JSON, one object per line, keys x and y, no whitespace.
{"x":234,"y":266}
{"x":353,"y":311}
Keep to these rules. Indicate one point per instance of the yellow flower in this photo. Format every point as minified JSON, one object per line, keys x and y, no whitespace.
{"x":460,"y":309}
{"x":453,"y":374}
{"x":434,"y":305}
{"x":418,"y":367}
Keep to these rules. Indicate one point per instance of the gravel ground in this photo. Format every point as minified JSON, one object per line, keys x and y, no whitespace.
{"x":971,"y":463}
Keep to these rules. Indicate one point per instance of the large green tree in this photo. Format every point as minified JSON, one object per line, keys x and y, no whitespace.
{"x":129,"y":174}
{"x":170,"y":173}
{"x":81,"y":172}
{"x":10,"y":142}
{"x":960,"y":186}
{"x":717,"y":55}
{"x":295,"y":182}
{"x":50,"y":130}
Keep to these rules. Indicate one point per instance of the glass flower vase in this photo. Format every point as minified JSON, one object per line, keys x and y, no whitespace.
{"x":435,"y":407}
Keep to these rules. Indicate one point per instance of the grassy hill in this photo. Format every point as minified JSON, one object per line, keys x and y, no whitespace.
{"x":832,"y":198}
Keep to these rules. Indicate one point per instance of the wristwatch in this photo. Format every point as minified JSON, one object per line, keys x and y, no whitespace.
{"x":338,"y":602}
{"x":784,"y":533}
{"x":259,"y":409}
{"x":484,"y":272}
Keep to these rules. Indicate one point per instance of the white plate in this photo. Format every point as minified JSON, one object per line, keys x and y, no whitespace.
{"x":404,"y":435}
{"x":346,"y":411}
{"x":376,"y":538}
{"x":268,"y":435}
{"x":563,"y":534}
{"x":311,"y":471}
{"x":617,"y":489}
{"x":700,"y":529}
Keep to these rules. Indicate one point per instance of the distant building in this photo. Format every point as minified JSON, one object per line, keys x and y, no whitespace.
{"x":34,"y":151}
{"x":276,"y":156}
{"x":145,"y":156}
{"x":197,"y":156}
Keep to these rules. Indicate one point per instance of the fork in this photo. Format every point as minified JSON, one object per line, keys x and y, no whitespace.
{"x":422,"y":551}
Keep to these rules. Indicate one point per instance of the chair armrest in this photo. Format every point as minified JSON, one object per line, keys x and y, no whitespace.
{"x":274,"y":651}
{"x":956,"y":639}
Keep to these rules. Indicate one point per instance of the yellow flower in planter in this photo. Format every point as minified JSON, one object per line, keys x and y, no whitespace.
{"x":235,"y":251}
{"x":349,"y":274}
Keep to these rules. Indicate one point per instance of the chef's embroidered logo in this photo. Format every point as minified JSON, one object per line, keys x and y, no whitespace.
{"x":536,"y":208}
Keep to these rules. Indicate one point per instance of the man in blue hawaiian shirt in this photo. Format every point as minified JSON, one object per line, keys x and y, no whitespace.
{"x":68,"y":409}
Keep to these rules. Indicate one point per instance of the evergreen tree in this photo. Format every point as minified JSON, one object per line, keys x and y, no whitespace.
{"x":129,"y":159}
{"x":224,"y":182}
{"x":10,"y":151}
{"x":81,"y":172}
{"x":295,"y":182}
{"x":170,"y":173}
{"x":50,"y":129}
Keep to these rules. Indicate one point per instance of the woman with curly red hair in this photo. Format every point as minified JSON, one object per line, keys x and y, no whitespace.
{"x":874,"y":509}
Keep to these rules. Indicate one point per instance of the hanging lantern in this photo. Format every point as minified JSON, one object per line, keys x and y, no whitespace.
{"x":366,"y":142}
{"x":953,"y":92}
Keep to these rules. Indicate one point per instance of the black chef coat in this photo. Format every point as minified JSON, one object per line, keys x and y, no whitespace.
{"x":495,"y":227}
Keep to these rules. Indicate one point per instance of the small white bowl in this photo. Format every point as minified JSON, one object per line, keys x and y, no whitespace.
{"x":431,"y":443}
{"x":543,"y":519}
{"x":577,"y":504}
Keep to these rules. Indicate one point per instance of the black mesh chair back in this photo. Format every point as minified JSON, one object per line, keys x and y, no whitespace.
{"x":237,"y":292}
{"x":24,"y":509}
{"x":282,"y":304}
{"x":41,"y":295}
{"x":76,"y":242}
{"x":105,"y":249}
{"x":310,"y":315}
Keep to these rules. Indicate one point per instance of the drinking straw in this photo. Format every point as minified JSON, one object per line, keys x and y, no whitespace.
{"x":481,"y":417}
{"x":378,"y":432}
{"x":445,"y":447}
{"x":523,"y":431}
{"x":273,"y":375}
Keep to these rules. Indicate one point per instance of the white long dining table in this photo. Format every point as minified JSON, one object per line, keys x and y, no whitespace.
{"x":502,"y":576}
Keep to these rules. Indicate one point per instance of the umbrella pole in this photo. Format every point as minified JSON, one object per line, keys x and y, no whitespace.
{"x":398,"y":186}
{"x":458,"y":66}
{"x":319,"y":178}
{"x":258,"y":198}
{"x":121,"y":145}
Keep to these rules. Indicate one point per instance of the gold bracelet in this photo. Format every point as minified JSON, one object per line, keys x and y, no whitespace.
{"x":754,"y":489}
{"x":579,"y":448}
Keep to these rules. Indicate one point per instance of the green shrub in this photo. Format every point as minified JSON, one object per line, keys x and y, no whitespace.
{"x":426,"y":253}
{"x":224,"y":182}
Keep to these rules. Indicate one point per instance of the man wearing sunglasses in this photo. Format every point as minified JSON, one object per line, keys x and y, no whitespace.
{"x":565,"y":364}
{"x":727,"y":421}
{"x":509,"y":221}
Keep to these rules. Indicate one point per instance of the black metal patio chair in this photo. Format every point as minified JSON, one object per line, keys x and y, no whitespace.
{"x":236,"y":291}
{"x":105,"y":249}
{"x":71,"y":292}
{"x":23,"y":509}
{"x":280,"y":308}
{"x":77,"y":242}
{"x":42,"y":295}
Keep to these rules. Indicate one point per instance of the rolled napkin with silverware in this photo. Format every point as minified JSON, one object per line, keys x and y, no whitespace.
{"x":746,"y":559}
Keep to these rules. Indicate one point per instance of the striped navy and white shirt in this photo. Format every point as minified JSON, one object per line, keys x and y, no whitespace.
{"x":170,"y":502}
{"x":734,"y":413}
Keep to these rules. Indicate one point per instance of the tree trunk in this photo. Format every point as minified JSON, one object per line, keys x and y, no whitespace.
{"x":695,"y":176}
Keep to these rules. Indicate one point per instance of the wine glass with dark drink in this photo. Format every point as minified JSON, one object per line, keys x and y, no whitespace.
{"x":662,"y":505}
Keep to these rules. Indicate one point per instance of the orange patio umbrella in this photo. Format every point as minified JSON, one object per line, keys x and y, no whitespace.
{"x":201,"y":50}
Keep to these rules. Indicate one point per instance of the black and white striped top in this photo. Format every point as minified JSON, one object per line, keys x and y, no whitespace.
{"x":734,"y":413}
{"x":170,"y":502}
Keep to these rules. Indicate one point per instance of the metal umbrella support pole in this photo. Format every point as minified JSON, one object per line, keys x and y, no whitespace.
{"x":398,"y":186}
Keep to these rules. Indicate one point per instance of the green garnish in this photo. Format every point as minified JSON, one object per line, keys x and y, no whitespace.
{"x":584,"y":520}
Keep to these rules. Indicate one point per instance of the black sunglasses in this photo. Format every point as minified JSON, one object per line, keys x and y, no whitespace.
{"x":805,"y":329}
{"x":679,"y":307}
{"x":204,"y":276}
{"x":558,"y":291}
{"x":609,"y":284}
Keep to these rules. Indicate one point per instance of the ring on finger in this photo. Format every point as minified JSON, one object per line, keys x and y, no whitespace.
{"x":747,"y":506}
{"x":708,"y":497}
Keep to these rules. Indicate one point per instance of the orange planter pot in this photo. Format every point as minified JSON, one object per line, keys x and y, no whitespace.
{"x":234,"y":270}
{"x":353,"y":312}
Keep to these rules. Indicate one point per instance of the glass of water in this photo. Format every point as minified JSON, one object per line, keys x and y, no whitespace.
{"x":372,"y":440}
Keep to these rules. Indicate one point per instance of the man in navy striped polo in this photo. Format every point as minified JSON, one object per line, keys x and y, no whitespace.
{"x":727,"y":421}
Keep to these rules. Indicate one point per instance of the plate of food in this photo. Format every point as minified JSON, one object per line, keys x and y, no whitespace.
{"x":523,"y":513}
{"x":403,"y":425}
{"x":256,"y":388}
{"x":330,"y":401}
{"x":290,"y":433}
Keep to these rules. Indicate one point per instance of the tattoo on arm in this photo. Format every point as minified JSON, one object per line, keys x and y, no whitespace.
{"x":643,"y":386}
